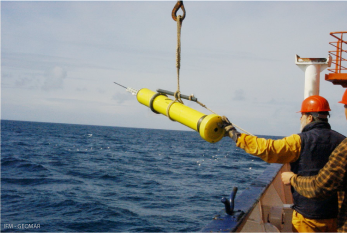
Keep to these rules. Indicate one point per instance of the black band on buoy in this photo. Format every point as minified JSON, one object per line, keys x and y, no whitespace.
{"x":199,"y":122}
{"x":152,"y":100}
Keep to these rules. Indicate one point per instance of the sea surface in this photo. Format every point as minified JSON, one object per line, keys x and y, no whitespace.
{"x":82,"y":178}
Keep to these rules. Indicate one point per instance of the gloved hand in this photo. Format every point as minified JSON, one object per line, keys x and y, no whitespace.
{"x":230,"y":130}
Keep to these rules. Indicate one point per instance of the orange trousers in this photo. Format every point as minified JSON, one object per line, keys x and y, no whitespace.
{"x":302,"y":224}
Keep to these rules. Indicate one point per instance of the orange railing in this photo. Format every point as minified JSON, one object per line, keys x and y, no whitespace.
{"x":338,"y":70}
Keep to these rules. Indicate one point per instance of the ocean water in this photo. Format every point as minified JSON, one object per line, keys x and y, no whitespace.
{"x":82,"y":178}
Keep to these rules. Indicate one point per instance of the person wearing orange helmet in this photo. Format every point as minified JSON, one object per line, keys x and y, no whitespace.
{"x":331,"y":179}
{"x":307,"y":152}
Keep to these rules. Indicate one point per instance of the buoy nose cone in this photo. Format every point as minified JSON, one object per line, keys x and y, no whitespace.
{"x":209,"y":129}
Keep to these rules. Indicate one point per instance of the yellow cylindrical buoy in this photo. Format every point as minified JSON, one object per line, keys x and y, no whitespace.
{"x":206,"y":125}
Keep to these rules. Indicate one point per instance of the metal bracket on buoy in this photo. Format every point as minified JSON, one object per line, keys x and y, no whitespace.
{"x":191,"y":97}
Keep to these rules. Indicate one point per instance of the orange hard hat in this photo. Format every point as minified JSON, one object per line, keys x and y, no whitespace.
{"x":344,"y":98}
{"x":315,"y":103}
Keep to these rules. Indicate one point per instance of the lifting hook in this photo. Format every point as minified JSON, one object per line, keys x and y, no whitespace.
{"x":178,"y":5}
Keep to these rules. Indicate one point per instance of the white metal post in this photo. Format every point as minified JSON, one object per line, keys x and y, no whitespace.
{"x":312,"y":68}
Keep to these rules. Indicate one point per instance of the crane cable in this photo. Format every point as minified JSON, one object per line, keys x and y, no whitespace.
{"x":179,"y":19}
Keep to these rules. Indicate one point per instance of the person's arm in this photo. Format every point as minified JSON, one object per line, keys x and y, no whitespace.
{"x":329,"y":179}
{"x":284,"y":150}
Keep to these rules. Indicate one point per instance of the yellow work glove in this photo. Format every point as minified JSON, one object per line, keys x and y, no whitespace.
{"x":230,"y":130}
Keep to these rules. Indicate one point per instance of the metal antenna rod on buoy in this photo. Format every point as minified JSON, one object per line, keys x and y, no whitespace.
{"x":120,"y":85}
{"x":129,"y":89}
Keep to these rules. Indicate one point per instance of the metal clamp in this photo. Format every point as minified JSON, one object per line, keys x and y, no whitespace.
{"x":191,"y":97}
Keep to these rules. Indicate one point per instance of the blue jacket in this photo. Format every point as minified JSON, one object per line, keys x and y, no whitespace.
{"x":317,"y":143}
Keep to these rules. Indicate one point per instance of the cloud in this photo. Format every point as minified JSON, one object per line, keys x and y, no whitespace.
{"x":26,"y":82}
{"x":54,"y":79}
{"x":81,"y":89}
{"x":239,"y":95}
{"x":240,"y":51}
{"x":122,"y":97}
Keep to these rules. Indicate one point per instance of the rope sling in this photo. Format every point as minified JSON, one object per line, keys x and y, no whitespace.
{"x":179,"y":19}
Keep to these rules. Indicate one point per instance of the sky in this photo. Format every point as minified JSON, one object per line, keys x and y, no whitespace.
{"x":59,"y":60}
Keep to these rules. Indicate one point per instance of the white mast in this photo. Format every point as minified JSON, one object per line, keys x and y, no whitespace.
{"x":312,"y":68}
